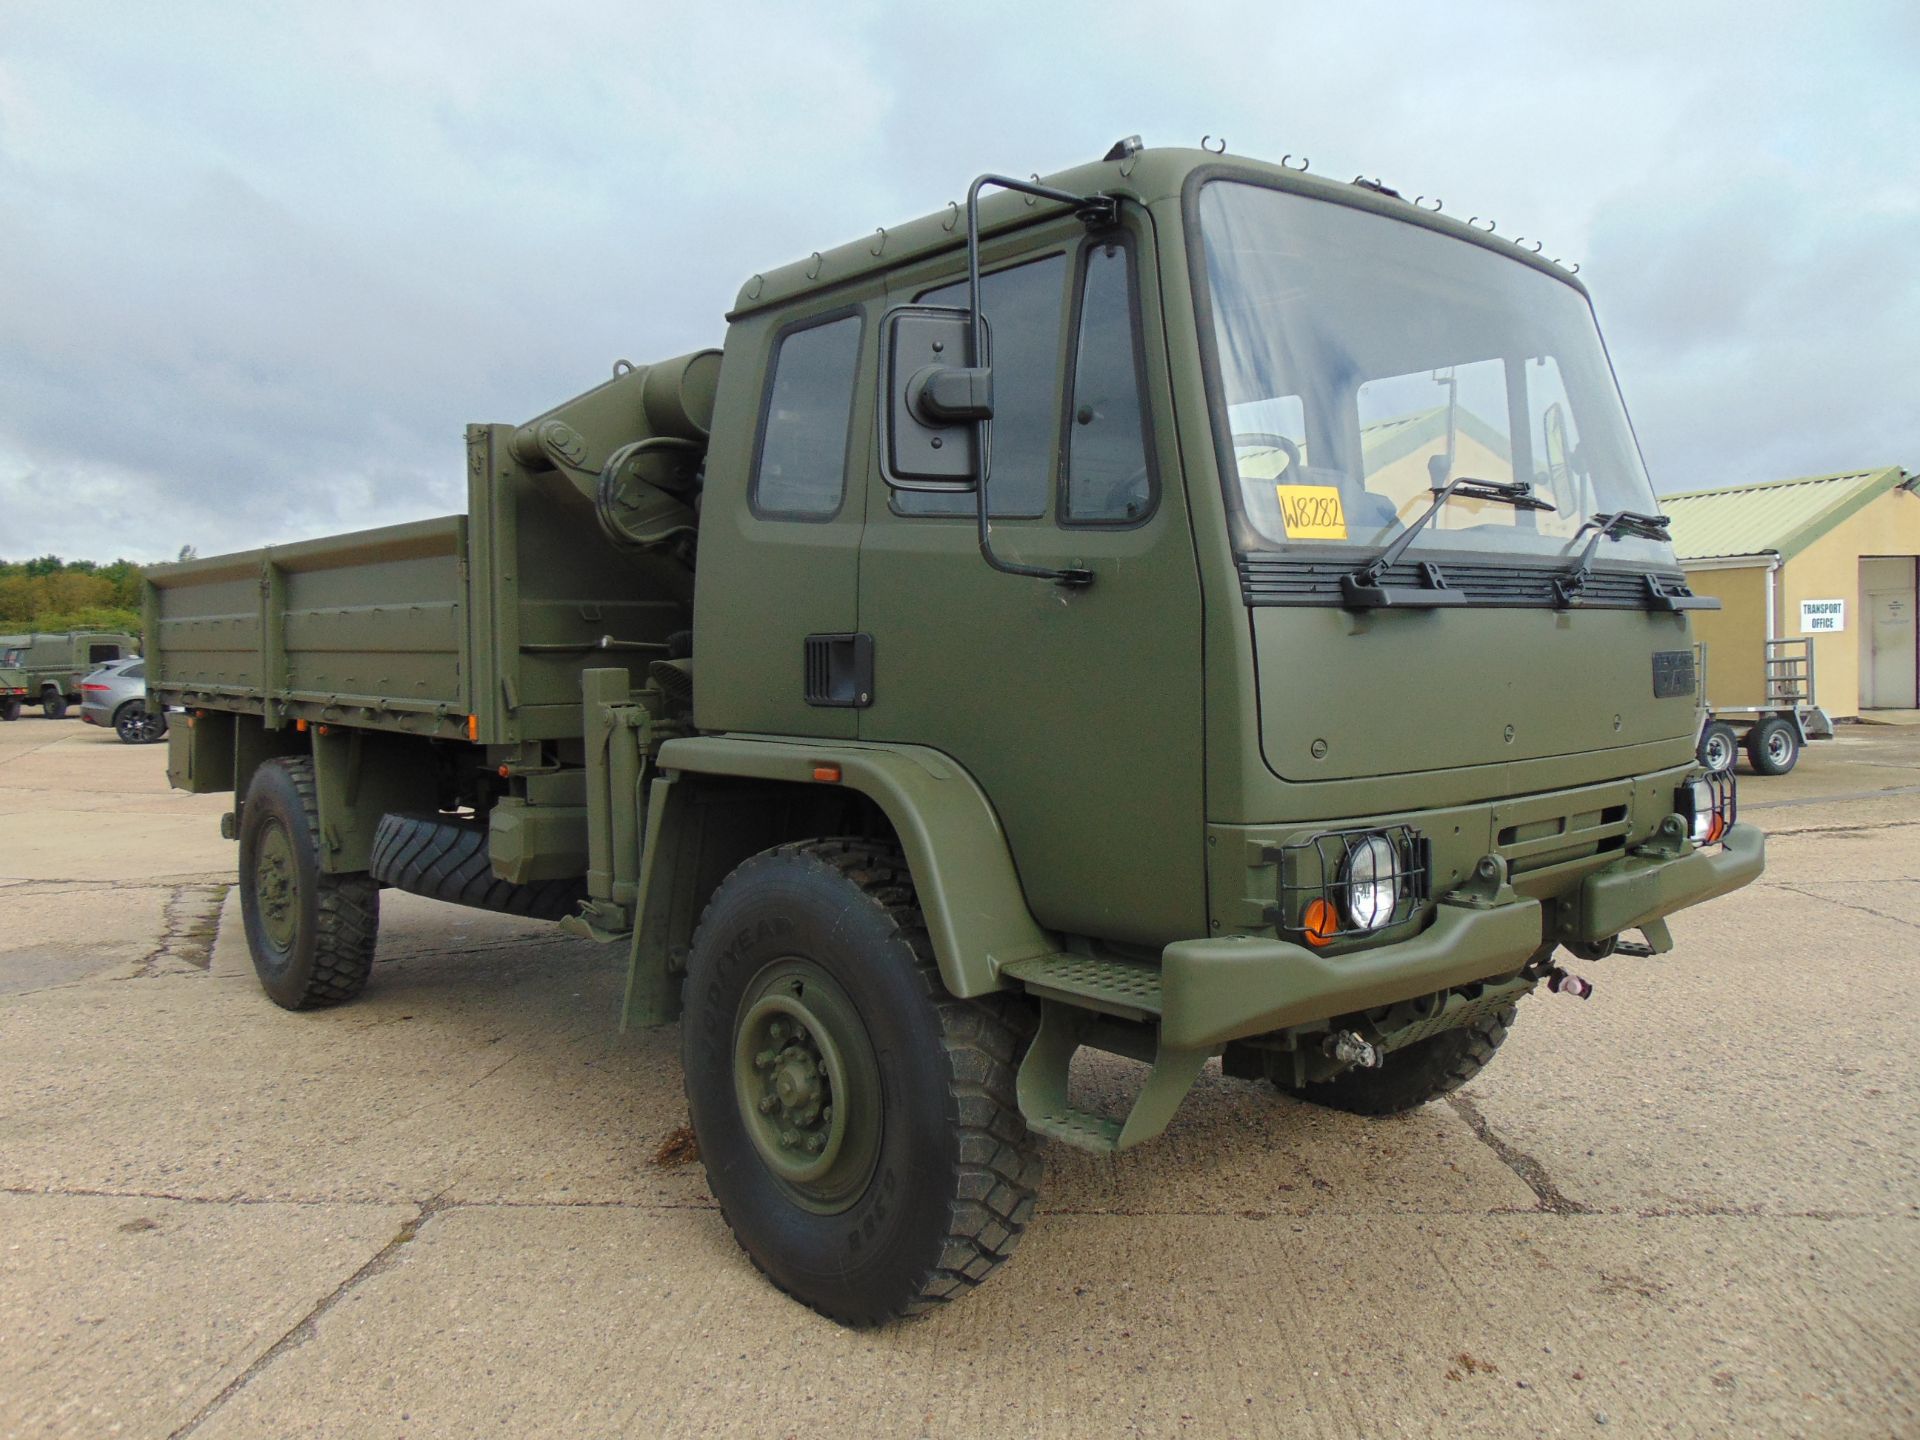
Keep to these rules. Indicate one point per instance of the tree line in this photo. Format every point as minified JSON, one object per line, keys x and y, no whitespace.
{"x":48,"y":593}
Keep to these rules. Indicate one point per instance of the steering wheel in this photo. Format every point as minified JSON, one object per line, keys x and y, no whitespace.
{"x":1262,"y":440}
{"x":1123,"y":498}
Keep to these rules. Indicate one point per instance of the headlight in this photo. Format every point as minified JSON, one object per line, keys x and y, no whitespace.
{"x":1369,"y":883}
{"x":1709,"y":807}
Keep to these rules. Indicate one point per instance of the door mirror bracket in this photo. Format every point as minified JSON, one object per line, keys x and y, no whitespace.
{"x":937,"y":415}
{"x":1097,"y":212}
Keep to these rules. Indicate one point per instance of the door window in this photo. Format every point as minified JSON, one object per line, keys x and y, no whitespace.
{"x":801,"y":470}
{"x":1108,"y":477}
{"x":1022,"y":306}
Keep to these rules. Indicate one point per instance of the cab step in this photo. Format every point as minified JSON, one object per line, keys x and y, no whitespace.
{"x":1042,"y":1086}
{"x":1128,"y":989}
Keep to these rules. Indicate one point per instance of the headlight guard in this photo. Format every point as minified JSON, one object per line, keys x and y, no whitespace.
{"x":1345,"y":884}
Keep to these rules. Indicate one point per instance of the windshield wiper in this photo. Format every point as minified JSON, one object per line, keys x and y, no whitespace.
{"x":1569,"y":583}
{"x":1362,"y":590}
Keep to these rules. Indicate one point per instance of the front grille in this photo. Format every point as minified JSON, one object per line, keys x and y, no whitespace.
{"x":1273,"y":580}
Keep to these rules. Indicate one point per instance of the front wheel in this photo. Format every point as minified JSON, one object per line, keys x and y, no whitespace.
{"x":311,"y":933}
{"x":858,"y":1124}
{"x":1773,"y":746}
{"x":53,"y":705}
{"x":1417,"y":1073}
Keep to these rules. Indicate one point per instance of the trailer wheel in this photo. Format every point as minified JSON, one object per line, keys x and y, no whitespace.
{"x":858,"y":1124}
{"x":10,"y":708}
{"x":1422,"y":1071}
{"x":311,"y":934}
{"x":53,"y":704}
{"x":1718,"y":747}
{"x":1773,"y":748}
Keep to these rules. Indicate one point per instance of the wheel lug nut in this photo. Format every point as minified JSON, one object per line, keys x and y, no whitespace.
{"x":764,"y":1060}
{"x":815,"y":1144}
{"x":778,"y":1030}
{"x":768,"y":1104}
{"x":789,"y":1139}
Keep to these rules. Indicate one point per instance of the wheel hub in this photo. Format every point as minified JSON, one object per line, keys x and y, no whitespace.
{"x":807,"y":1085}
{"x":276,"y":883}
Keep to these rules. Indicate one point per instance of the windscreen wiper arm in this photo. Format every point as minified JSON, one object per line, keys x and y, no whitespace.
{"x":1621,"y":523}
{"x":1362,"y":590}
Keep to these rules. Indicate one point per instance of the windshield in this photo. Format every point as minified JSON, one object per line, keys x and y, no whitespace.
{"x":1362,"y":361}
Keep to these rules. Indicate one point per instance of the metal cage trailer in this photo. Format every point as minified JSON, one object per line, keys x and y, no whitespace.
{"x":1774,"y":732}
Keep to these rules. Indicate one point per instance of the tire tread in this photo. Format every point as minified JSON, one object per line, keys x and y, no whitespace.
{"x":447,"y":859}
{"x":999,"y":1166}
{"x":346,"y":910}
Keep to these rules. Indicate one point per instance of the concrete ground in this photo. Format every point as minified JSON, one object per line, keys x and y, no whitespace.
{"x":1690,"y":1205}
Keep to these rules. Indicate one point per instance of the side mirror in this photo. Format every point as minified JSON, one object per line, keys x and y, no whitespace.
{"x":934,"y":400}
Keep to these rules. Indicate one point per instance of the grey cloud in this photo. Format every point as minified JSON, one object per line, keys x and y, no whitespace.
{"x":257,"y":268}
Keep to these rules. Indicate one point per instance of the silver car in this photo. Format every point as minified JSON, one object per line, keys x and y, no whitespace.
{"x":115,"y":696}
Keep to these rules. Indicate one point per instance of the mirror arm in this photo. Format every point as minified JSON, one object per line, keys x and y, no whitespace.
{"x":1097,"y":212}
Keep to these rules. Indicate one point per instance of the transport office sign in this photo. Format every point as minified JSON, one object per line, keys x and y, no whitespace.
{"x":1823,"y":617}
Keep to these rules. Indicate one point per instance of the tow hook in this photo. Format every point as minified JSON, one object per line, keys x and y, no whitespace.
{"x":1349,"y":1049}
{"x":1565,"y":982}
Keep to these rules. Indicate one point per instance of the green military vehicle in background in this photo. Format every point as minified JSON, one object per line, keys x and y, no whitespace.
{"x":1185,"y":608}
{"x":46,"y":669}
{"x":15,"y":689}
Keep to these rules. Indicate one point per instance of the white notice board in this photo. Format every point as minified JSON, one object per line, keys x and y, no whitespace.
{"x":1823,"y":617}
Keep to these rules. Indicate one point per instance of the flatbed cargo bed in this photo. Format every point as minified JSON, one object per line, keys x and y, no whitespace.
{"x":418,"y":628}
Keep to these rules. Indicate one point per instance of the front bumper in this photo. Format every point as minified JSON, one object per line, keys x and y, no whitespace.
{"x":1216,"y":990}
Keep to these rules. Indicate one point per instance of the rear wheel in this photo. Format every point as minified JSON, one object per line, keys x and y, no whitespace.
{"x":858,"y":1124}
{"x":53,"y":704}
{"x":311,"y":934}
{"x":10,"y":708}
{"x":1773,"y":746}
{"x":1718,"y":747}
{"x":1422,"y":1071}
{"x":137,"y":725}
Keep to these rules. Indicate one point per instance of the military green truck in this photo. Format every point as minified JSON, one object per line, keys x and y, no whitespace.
{"x":46,"y":669}
{"x":1186,"y":608}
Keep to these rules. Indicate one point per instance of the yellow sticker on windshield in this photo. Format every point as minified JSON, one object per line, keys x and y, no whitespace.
{"x":1312,"y":512}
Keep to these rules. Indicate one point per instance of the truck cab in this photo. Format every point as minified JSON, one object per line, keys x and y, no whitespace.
{"x":1184,"y":607}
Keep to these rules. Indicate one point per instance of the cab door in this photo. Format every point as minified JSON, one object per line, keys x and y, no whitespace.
{"x":777,"y":587}
{"x":1077,"y":709}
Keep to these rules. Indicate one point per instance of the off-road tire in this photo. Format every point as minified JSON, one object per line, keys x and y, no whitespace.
{"x":445,"y":858}
{"x":334,"y":918}
{"x":955,"y":1175}
{"x":1719,"y":748}
{"x":1773,"y":746}
{"x":1423,"y":1071}
{"x":53,"y":705}
{"x":10,"y":708}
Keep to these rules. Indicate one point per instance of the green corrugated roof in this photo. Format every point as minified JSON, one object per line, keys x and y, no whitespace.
{"x":1781,"y":517}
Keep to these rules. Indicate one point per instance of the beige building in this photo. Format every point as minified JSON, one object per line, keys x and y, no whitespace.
{"x":1831,"y":557}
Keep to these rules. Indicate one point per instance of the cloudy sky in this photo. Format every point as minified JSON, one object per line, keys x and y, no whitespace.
{"x":260,"y":264}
